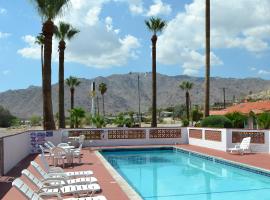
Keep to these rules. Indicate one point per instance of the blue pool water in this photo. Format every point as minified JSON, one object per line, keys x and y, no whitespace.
{"x":167,"y":174}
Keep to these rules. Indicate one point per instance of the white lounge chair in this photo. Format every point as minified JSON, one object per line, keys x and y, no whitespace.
{"x":243,"y":147}
{"x":62,"y":190}
{"x":56,"y":170}
{"x":65,"y":180}
{"x":31,"y":195}
{"x":51,"y":144}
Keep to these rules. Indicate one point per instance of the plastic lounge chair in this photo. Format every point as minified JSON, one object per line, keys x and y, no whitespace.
{"x":65,"y":180}
{"x":31,"y":195}
{"x":58,"y":188}
{"x":57,"y":170}
{"x":242,"y":147}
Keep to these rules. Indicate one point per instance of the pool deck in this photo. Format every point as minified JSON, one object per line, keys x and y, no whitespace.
{"x":110,"y":188}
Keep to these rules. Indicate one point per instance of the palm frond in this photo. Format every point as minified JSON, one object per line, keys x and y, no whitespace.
{"x":155,"y":25}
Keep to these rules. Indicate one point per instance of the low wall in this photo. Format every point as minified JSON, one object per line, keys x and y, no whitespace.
{"x":259,"y":139}
{"x":129,"y":136}
{"x":208,"y":137}
{"x":17,"y":147}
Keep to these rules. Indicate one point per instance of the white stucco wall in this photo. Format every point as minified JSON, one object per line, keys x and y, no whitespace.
{"x":208,"y":143}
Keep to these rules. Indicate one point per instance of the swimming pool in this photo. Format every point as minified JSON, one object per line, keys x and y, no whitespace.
{"x":171,"y":174}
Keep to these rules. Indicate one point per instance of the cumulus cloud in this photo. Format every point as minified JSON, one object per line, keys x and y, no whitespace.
{"x":244,"y":25}
{"x":3,"y":11}
{"x":98,"y":43}
{"x":135,"y":6}
{"x":4,"y":35}
{"x":159,"y":8}
{"x":263,"y":72}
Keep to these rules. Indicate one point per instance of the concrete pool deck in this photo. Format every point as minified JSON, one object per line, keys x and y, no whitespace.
{"x":110,"y":187}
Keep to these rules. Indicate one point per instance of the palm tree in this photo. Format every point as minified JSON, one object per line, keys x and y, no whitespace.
{"x":63,"y":32}
{"x":155,"y":25}
{"x":103,"y":89}
{"x":72,"y":82}
{"x":207,"y":58}
{"x":48,"y":10}
{"x":76,"y":115}
{"x":187,"y":86}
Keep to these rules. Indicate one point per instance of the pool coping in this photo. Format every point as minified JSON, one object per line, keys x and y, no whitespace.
{"x":243,"y":166}
{"x":130,"y":192}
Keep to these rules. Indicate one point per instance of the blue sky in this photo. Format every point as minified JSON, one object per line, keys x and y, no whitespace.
{"x":114,"y":39}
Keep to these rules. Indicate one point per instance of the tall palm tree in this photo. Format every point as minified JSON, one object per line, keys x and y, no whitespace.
{"x":187,"y":86}
{"x":103,"y":89}
{"x":72,"y":82}
{"x":154,"y":25}
{"x":63,"y":32}
{"x":207,"y":58}
{"x":48,"y":10}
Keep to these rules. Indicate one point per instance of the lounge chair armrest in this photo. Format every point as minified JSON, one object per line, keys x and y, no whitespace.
{"x":56,"y":170}
{"x":45,"y":186}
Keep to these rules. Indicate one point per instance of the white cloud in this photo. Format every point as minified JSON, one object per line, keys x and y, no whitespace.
{"x":159,"y":8}
{"x":98,"y":43}
{"x":253,"y":68}
{"x":3,"y":11}
{"x":263,"y":72}
{"x":135,"y":6}
{"x":5,"y":72}
{"x":4,"y":35}
{"x":32,"y":50}
{"x":244,"y":25}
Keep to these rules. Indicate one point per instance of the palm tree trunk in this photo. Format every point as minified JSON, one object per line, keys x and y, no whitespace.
{"x":72,"y":90}
{"x":103,"y":105}
{"x":61,"y":103}
{"x":48,"y":29}
{"x":42,"y":73}
{"x":154,"y":82}
{"x":187,"y":104}
{"x":71,"y":105}
{"x":207,"y":58}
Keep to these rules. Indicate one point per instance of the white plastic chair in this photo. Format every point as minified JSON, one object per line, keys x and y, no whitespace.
{"x":77,"y":153}
{"x":59,"y":170}
{"x":59,"y":154}
{"x":27,"y":192}
{"x":65,"y":180}
{"x":242,"y":147}
{"x":62,"y":190}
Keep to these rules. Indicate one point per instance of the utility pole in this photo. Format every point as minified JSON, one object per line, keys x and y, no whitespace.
{"x":224,"y":97}
{"x":139,"y":98}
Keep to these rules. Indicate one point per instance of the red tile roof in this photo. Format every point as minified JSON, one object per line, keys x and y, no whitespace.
{"x":245,"y":108}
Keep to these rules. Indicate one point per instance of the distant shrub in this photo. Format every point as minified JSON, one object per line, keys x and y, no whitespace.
{"x":238,"y":119}
{"x":99,"y":121}
{"x":6,"y":118}
{"x":196,"y":115}
{"x":216,"y":121}
{"x":35,"y":121}
{"x":185,"y":122}
{"x":264,"y":120}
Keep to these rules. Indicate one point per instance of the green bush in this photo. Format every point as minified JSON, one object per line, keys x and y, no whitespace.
{"x":216,"y":121}
{"x":35,"y":121}
{"x":196,"y":115}
{"x":238,"y":119}
{"x":185,"y":122}
{"x":264,"y":120}
{"x":6,"y":118}
{"x":99,"y":121}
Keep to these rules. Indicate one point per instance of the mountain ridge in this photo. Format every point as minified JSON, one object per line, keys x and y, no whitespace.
{"x":122,"y":93}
